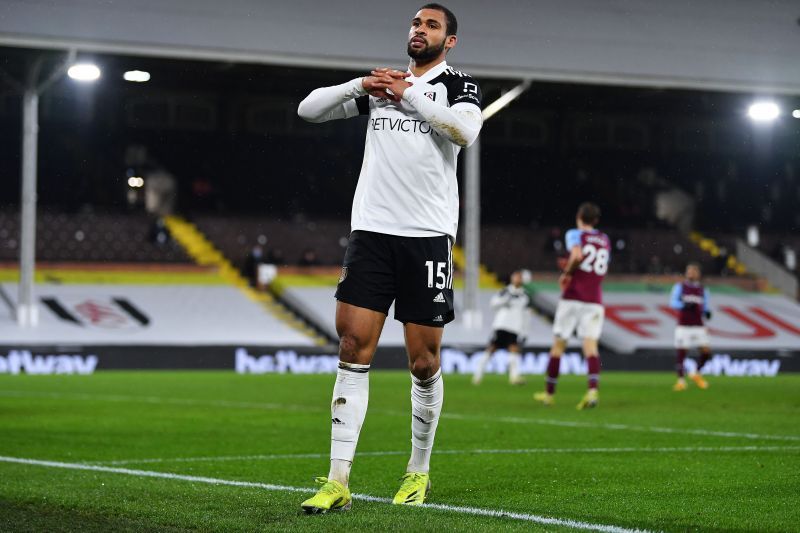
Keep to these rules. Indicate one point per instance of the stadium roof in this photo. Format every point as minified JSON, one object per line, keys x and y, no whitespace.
{"x":743,"y":45}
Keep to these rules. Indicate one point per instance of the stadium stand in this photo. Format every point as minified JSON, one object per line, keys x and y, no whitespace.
{"x":644,"y":251}
{"x":775,"y":245}
{"x":132,"y":238}
{"x":504,"y":247}
{"x":284,"y":241}
{"x":92,"y":237}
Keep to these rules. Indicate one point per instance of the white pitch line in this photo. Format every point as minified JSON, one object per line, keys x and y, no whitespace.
{"x":521,"y":451}
{"x":455,"y":416}
{"x":475,"y":511}
{"x":259,"y":457}
{"x":622,"y":427}
{"x":157,"y":400}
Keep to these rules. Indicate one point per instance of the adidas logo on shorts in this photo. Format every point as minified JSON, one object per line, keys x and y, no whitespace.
{"x":438,"y":319}
{"x":439,"y":299}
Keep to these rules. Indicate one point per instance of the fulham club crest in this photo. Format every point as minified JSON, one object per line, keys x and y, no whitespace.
{"x":431,"y":95}
{"x":106,"y":313}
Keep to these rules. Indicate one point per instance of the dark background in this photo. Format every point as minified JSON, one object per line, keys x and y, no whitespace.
{"x":230,"y":135}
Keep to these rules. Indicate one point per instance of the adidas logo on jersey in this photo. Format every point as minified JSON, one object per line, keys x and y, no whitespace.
{"x":439,"y":299}
{"x":336,"y":421}
{"x":438,"y":319}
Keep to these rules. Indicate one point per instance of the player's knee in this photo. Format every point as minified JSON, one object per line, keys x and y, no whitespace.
{"x":351,"y":348}
{"x":559,"y":346}
{"x":424,"y":365}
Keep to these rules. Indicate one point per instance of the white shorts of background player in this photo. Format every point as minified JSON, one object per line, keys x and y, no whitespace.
{"x":574,"y":316}
{"x":688,"y":337}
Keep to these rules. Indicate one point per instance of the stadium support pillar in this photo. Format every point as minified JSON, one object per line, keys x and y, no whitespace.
{"x":472,"y":213}
{"x":27,"y":311}
{"x":472,"y":236}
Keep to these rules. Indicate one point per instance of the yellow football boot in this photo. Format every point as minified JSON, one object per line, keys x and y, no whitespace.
{"x":680,"y":385}
{"x":543,"y":397}
{"x":589,"y":400}
{"x":698,"y":380}
{"x":332,"y":496}
{"x":414,"y":489}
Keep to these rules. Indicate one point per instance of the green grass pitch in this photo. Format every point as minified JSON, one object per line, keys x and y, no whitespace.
{"x":724,"y":459}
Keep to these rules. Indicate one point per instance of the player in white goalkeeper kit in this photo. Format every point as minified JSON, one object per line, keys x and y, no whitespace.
{"x":512,"y":307}
{"x":404,"y":222}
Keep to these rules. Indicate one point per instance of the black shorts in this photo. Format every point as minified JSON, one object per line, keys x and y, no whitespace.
{"x":416,"y":273}
{"x":502,"y":339}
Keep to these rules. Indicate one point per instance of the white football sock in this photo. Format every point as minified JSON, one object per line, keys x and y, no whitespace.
{"x":348,"y":409}
{"x":513,"y":366}
{"x":480,"y":368}
{"x":426,"y":406}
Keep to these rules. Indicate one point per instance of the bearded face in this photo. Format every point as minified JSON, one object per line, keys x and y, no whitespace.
{"x":422,"y":51}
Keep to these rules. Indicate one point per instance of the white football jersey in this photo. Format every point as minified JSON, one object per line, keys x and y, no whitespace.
{"x":407,"y":184}
{"x":512,"y":307}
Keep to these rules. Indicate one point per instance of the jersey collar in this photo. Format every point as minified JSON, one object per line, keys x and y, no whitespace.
{"x":432,"y":73}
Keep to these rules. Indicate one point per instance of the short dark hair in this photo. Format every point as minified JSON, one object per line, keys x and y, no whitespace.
{"x":450,"y":19}
{"x":589,"y":213}
{"x":694,"y":264}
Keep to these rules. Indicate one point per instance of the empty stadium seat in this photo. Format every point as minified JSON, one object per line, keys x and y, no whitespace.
{"x":236,"y":236}
{"x":92,"y":237}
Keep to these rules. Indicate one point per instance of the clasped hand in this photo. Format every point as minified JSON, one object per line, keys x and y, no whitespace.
{"x":387,"y":83}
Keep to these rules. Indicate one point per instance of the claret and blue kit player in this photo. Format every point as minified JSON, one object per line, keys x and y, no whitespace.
{"x":692,"y":302}
{"x":580,"y":310}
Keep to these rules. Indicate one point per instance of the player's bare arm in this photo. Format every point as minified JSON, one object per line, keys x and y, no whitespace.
{"x":575,"y":258}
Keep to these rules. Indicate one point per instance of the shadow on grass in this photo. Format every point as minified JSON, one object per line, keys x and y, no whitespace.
{"x":26,"y":516}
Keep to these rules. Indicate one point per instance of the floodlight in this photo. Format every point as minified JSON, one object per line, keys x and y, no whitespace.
{"x":753,"y":236}
{"x":84,"y":72}
{"x":796,"y":113}
{"x":138,"y":76}
{"x":764,"y":111}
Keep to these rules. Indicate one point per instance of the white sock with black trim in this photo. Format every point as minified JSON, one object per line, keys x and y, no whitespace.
{"x":348,"y":409}
{"x":427,"y":397}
